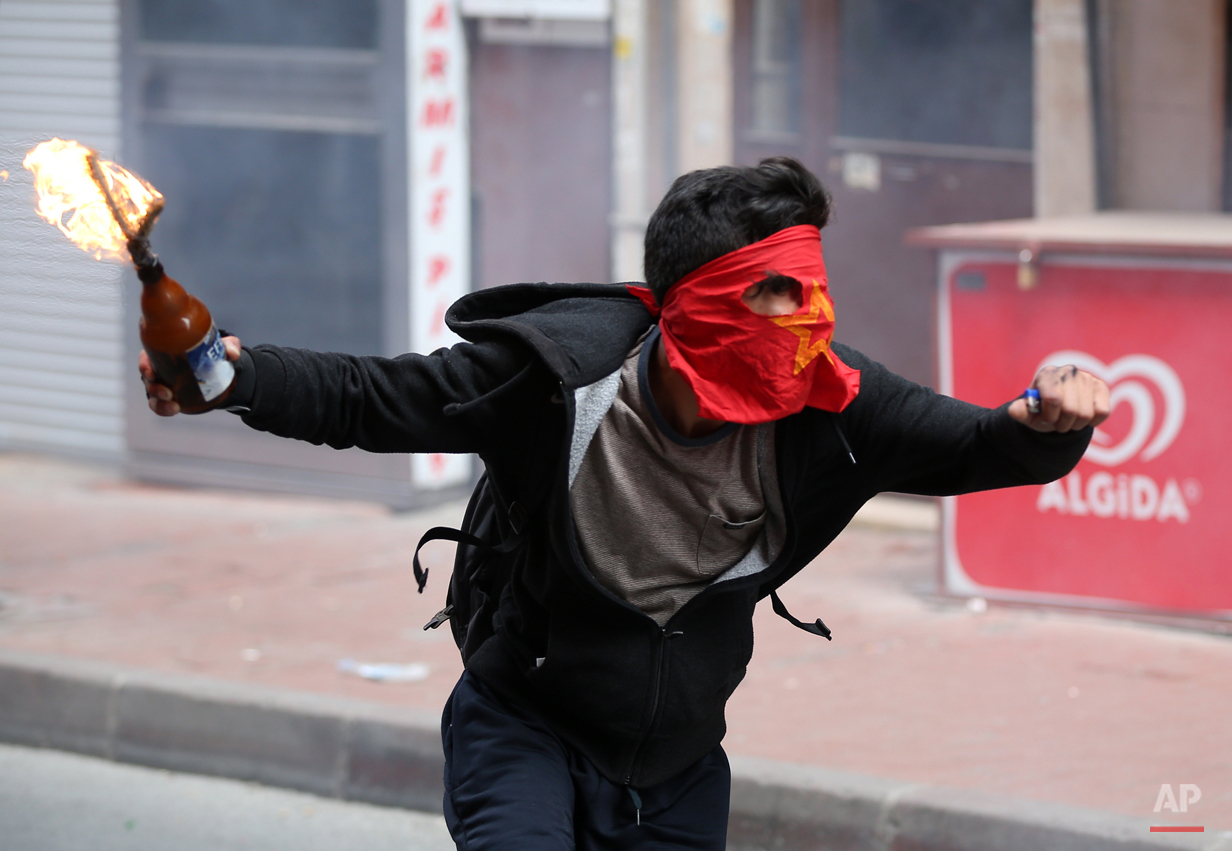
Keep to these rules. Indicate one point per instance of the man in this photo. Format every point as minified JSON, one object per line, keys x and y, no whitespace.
{"x":666,"y":477}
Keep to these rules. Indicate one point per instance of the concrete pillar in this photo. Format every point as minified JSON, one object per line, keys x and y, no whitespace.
{"x":630,"y":48}
{"x":704,"y":87}
{"x":1165,"y":98}
{"x":1064,"y":125}
{"x":672,"y":108}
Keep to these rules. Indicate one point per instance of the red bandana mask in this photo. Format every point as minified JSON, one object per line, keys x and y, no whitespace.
{"x":745,"y":367}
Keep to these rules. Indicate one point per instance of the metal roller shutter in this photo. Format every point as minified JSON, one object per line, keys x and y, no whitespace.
{"x":60,"y":310}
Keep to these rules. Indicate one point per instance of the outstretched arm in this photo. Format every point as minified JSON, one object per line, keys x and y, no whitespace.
{"x":412,"y":403}
{"x":911,"y":439}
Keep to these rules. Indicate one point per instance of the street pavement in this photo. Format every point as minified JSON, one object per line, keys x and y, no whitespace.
{"x":1059,"y":707}
{"x":53,"y":801}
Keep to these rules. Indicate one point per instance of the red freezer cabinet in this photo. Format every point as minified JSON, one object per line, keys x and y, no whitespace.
{"x":1144,"y":301}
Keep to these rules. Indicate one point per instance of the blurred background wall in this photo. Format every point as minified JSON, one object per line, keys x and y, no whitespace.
{"x":60,"y":313}
{"x":279,"y":131}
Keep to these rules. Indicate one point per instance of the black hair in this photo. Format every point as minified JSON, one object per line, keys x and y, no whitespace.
{"x":708,"y":213}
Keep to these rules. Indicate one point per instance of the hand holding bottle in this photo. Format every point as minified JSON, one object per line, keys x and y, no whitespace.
{"x":159,"y":396}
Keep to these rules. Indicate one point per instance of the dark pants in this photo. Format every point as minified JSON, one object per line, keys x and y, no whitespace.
{"x":511,"y":783}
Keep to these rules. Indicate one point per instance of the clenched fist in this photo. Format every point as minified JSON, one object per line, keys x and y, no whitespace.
{"x":1069,"y":399}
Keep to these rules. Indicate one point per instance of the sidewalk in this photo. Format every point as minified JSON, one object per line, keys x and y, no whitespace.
{"x":266,"y":592}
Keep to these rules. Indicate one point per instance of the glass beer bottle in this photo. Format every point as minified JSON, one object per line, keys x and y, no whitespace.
{"x":183,"y":344}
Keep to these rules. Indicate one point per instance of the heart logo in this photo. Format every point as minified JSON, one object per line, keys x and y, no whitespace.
{"x":1127,"y":380}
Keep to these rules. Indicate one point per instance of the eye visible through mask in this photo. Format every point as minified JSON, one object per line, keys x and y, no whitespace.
{"x":774,"y":295}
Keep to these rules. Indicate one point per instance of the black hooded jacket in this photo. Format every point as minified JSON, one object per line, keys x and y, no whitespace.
{"x":640,"y":701}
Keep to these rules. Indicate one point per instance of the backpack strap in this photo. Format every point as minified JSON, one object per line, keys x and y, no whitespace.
{"x":517,"y":521}
{"x":441,"y":533}
{"x":817,"y":628}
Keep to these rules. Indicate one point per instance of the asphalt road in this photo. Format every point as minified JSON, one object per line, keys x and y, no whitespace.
{"x":53,"y":801}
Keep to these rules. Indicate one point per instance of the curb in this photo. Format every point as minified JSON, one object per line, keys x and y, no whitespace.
{"x":334,"y":747}
{"x":360,"y":751}
{"x":779,"y":805}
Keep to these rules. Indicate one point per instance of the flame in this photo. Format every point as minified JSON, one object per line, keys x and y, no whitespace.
{"x":70,"y":181}
{"x":4,"y":175}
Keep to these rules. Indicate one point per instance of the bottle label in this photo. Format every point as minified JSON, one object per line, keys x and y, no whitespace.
{"x":208,"y":360}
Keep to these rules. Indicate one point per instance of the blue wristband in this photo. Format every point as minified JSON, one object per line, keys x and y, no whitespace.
{"x":1033,"y":400}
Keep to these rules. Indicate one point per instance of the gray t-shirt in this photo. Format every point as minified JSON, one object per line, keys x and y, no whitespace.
{"x":659,"y":515}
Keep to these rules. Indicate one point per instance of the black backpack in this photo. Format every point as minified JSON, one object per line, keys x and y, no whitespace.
{"x":480,"y":571}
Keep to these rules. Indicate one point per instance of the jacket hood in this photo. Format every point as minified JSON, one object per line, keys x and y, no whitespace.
{"x":581,"y":331}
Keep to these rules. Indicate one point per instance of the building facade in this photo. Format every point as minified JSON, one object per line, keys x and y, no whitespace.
{"x":305,"y":152}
